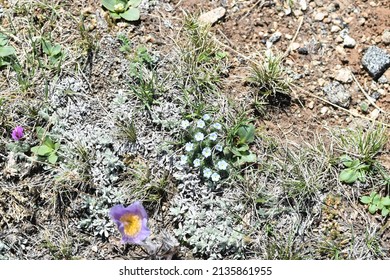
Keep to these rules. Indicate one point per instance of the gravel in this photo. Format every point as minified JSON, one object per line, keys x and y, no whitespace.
{"x":376,"y":61}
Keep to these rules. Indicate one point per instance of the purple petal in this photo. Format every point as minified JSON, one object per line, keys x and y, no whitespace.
{"x":117,"y":212}
{"x":17,"y":133}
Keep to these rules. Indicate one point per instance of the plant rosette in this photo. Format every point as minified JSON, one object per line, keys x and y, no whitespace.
{"x":127,"y":10}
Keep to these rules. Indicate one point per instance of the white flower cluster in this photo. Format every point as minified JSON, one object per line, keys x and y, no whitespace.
{"x":204,"y":148}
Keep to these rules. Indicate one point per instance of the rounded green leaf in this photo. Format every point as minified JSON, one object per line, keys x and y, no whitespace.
{"x":52,"y":158}
{"x":6,"y":51}
{"x":386,"y":201}
{"x":132,"y":14}
{"x":134,"y":3}
{"x":372,"y":209}
{"x":109,"y":4}
{"x":385,"y":212}
{"x":41,"y":150}
{"x":365,"y":199}
{"x":348,"y":176}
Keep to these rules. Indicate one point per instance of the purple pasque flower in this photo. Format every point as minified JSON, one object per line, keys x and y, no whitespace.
{"x":17,"y":133}
{"x":131,"y":222}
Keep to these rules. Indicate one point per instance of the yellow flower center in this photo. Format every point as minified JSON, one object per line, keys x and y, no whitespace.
{"x":132,"y":224}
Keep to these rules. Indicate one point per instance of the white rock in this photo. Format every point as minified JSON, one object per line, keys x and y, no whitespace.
{"x":319,"y":16}
{"x":374,"y":114}
{"x":212,"y":16}
{"x":310,"y":105}
{"x":294,"y":46}
{"x":386,"y":37}
{"x":324,"y":110}
{"x":335,"y":29}
{"x":349,"y":42}
{"x":344,"y":75}
{"x":303,"y":5}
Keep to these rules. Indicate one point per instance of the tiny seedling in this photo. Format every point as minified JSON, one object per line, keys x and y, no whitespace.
{"x":355,"y":170}
{"x":377,"y":202}
{"x":5,"y":51}
{"x":238,"y":144}
{"x":128,"y":10}
{"x":53,"y":51}
{"x":48,"y":148}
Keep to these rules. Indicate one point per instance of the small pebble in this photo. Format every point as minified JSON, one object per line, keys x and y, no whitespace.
{"x":310,"y":105}
{"x":349,"y":42}
{"x":374,"y":114}
{"x":386,"y":37}
{"x":303,"y":50}
{"x":324,"y":110}
{"x":319,"y":16}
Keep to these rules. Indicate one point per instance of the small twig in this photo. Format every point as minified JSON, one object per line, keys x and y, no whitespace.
{"x":369,"y":98}
{"x":341,"y":108}
{"x":235,"y":51}
{"x":225,"y":37}
{"x":254,"y":6}
{"x":295,"y":36}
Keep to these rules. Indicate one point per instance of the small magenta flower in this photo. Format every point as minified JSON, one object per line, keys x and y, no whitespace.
{"x":207,"y":172}
{"x":199,"y":136}
{"x":197,"y":162}
{"x":17,"y":133}
{"x":189,"y":147}
{"x":131,"y":222}
{"x":185,"y":124}
{"x":222,"y":165}
{"x":213,"y":136}
{"x":215,"y":177}
{"x":206,"y":152}
{"x":200,"y":124}
{"x":206,"y":117}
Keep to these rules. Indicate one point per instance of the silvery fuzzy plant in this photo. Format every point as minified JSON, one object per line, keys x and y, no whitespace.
{"x":127,"y":10}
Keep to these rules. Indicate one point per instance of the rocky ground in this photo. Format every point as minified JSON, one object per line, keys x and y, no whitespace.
{"x":113,"y":98}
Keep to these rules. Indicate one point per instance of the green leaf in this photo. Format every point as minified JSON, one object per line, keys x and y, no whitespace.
{"x":385,"y":212}
{"x":56,"y":146}
{"x":361,"y":175}
{"x":246,"y":133}
{"x":52,"y":158}
{"x":134,"y":3}
{"x":348,"y":176}
{"x":243,"y":148}
{"x":246,"y":159}
{"x":3,"y":40}
{"x":365,"y":200}
{"x":109,"y":4}
{"x":132,"y":14}
{"x":386,"y":201}
{"x":55,"y":50}
{"x":372,"y":209}
{"x":115,"y":15}
{"x":40,"y":132}
{"x":346,"y":160}
{"x":377,"y":199}
{"x":6,"y":51}
{"x":49,"y":142}
{"x":41,"y":150}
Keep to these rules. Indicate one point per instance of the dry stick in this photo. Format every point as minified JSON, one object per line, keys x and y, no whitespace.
{"x":250,"y":9}
{"x":366,"y":95}
{"x":293,"y":40}
{"x":341,"y":108}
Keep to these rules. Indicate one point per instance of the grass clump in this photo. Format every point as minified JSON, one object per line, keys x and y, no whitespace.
{"x":270,"y":76}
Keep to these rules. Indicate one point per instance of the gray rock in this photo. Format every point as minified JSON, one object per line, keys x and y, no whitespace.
{"x":337,"y":94}
{"x":275,"y":37}
{"x":376,"y":61}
